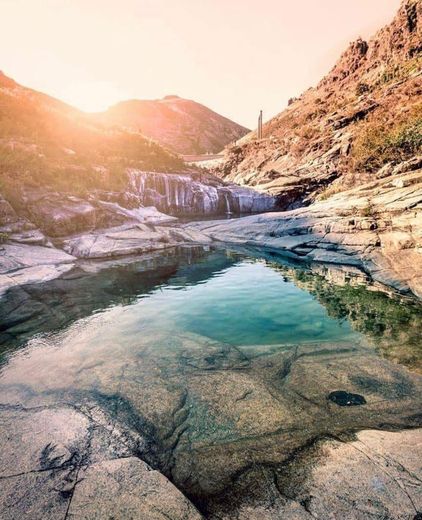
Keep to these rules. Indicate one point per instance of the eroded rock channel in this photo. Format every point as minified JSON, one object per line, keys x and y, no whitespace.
{"x":198,"y":384}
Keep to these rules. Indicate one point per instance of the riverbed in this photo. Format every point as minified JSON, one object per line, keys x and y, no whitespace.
{"x":216,"y":367}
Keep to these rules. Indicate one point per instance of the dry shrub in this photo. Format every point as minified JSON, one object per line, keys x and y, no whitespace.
{"x":380,"y":141}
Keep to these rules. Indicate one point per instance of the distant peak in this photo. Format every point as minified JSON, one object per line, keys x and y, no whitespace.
{"x":171,"y":97}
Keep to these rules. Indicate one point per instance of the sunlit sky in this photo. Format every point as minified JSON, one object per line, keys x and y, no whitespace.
{"x":235,"y":56}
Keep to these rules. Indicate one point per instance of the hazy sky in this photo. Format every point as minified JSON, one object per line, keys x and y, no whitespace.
{"x":235,"y":56}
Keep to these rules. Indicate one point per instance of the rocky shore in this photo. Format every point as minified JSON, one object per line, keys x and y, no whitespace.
{"x":376,"y":227}
{"x":199,"y":429}
{"x":47,"y":232}
{"x":184,"y":427}
{"x":108,"y":414}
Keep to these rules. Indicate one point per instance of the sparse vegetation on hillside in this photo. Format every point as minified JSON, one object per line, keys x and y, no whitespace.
{"x":380,"y":142}
{"x":362,"y":115}
{"x":179,"y":124}
{"x":46,"y":143}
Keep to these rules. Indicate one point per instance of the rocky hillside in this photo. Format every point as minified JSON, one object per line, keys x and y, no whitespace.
{"x":62,"y":173}
{"x":45,"y":142}
{"x":364,"y":114}
{"x":180,"y":124}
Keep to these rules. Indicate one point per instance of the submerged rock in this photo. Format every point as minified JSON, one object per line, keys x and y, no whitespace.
{"x":221,"y":422}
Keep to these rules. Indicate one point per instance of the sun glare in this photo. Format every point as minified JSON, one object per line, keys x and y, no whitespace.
{"x":93,"y":96}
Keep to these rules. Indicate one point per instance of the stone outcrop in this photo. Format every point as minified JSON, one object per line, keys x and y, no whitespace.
{"x":27,"y":258}
{"x":377,"y":227}
{"x":364,"y":113}
{"x":21,"y":264}
{"x":59,"y":215}
{"x":130,"y":240}
{"x":148,"y":198}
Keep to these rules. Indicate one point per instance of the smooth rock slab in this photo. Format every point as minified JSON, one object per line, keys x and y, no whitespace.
{"x":378,"y":475}
{"x":22,"y":264}
{"x":129,"y":240}
{"x":62,"y":462}
{"x":128,"y":488}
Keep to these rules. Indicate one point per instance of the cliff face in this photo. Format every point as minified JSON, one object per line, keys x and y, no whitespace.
{"x":364,"y":114}
{"x":180,"y":124}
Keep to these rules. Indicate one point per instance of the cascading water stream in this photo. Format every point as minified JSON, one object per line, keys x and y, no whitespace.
{"x":228,"y":212}
{"x":180,"y":194}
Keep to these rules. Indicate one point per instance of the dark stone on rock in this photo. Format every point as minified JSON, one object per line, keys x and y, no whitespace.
{"x":343,"y":398}
{"x":418,"y":516}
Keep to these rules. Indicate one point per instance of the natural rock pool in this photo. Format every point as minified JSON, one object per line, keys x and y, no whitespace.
{"x":220,"y":368}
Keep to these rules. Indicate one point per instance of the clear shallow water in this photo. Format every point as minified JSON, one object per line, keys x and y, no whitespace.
{"x":247,"y":303}
{"x":213,"y":366}
{"x":222,"y":295}
{"x":227,"y":296}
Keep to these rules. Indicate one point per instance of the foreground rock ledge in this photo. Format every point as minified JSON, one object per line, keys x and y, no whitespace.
{"x":78,"y":466}
{"x":377,"y":475}
{"x":182,"y":423}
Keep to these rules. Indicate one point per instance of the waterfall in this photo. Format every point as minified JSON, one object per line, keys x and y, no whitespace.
{"x":227,"y":204}
{"x":181,"y":195}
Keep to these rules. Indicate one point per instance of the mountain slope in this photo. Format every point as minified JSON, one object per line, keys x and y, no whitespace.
{"x":45,"y":142}
{"x":180,"y":124}
{"x":365,"y":113}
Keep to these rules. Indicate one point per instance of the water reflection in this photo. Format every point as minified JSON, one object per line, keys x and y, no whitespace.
{"x":391,"y":323}
{"x":264,"y":300}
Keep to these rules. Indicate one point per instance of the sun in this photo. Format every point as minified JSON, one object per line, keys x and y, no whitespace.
{"x":94,"y":96}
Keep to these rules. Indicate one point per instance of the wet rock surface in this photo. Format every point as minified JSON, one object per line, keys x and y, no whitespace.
{"x":196,"y":194}
{"x":222,"y":424}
